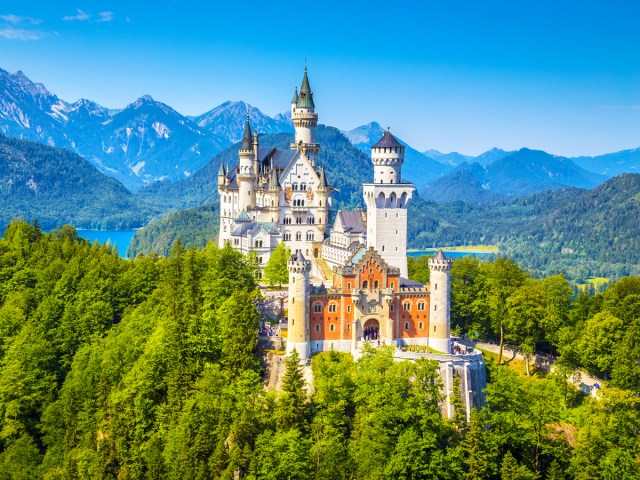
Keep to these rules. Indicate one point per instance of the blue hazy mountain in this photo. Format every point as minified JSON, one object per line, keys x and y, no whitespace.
{"x":524,"y":172}
{"x":452,"y":158}
{"x":417,"y":168}
{"x":227,"y":121}
{"x":612,"y":164}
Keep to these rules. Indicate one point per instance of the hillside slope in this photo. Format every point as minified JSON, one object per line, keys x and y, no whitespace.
{"x":56,"y":187}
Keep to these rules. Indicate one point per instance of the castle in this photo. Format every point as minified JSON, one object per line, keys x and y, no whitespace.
{"x":348,"y":283}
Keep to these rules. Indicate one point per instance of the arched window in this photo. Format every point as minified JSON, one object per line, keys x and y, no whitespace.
{"x":309,"y":236}
{"x":365,"y":284}
{"x":303,"y":186}
{"x":333,"y":308}
{"x":332,"y":327}
{"x":406,"y":306}
{"x":258,"y":243}
{"x":317,"y":307}
{"x":317,"y":327}
{"x":287,"y":220}
{"x":294,"y":187}
{"x":287,"y":237}
{"x":420,"y":306}
{"x":298,"y":236}
{"x":406,"y":325}
{"x":375,"y":284}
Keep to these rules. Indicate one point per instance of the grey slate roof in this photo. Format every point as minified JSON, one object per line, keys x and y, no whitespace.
{"x":247,"y":137}
{"x":387,"y":140}
{"x":352,"y":221}
{"x":243,"y":217}
{"x":440,"y":255}
{"x":297,"y":256}
{"x":295,"y":96}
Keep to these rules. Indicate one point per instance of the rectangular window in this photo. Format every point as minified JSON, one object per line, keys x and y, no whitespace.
{"x":332,"y":327}
{"x":421,"y":325}
{"x":349,"y":286}
{"x":349,"y":308}
{"x":391,"y":308}
{"x":317,"y":328}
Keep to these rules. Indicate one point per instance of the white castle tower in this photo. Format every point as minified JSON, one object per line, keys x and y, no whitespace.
{"x":298,"y":327}
{"x":246,"y":173}
{"x":305,"y":120}
{"x":440,"y":304}
{"x":386,"y":200}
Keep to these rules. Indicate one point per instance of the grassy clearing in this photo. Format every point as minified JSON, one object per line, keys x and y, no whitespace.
{"x":518,"y":366}
{"x":597,"y":282}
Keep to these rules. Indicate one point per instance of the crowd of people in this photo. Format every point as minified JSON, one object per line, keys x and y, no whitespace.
{"x":268,"y":330}
{"x":370,"y":333}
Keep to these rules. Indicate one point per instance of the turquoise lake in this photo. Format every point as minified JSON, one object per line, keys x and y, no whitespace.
{"x":119,"y":238}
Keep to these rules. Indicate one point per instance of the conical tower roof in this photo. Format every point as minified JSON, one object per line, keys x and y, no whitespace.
{"x":387,"y":140}
{"x":274,"y":183}
{"x":323,"y":179}
{"x":305,"y":100}
{"x":247,"y":138}
{"x":295,"y":96}
{"x":221,"y":172}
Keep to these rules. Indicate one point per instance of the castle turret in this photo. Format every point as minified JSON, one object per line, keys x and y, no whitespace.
{"x":440,"y":303}
{"x":298,"y":327}
{"x":305,"y":120}
{"x":294,"y":101}
{"x":324,"y":193}
{"x":246,"y":173}
{"x":387,"y":200}
{"x":221,"y":176}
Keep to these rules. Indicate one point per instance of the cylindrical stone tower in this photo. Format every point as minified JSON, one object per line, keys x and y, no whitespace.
{"x":305,"y":120}
{"x":246,"y":174}
{"x":387,"y":162}
{"x":298,"y":328}
{"x":440,"y":303}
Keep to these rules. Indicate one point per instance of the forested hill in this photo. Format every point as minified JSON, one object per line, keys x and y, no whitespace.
{"x":58,"y":187}
{"x":582,"y":232}
{"x":347,"y":169}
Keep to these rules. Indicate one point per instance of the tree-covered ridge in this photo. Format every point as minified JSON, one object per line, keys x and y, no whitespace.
{"x":194,"y":227}
{"x":577,"y":232}
{"x":57,"y":187}
{"x":148,"y":368}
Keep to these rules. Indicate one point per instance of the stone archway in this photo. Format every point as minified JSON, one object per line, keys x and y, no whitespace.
{"x":371,"y":329}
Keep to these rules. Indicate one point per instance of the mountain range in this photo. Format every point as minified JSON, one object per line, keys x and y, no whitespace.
{"x":148,"y":141}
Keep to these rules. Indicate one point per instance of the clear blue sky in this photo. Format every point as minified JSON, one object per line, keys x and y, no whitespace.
{"x":563,"y":76}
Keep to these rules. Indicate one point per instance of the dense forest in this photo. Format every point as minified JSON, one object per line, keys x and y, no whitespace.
{"x":149,"y":368}
{"x":56,"y":187}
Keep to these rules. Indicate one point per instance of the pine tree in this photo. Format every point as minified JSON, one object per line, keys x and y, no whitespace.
{"x":555,"y":472}
{"x":509,"y":468}
{"x":476,"y":457}
{"x":291,"y":410}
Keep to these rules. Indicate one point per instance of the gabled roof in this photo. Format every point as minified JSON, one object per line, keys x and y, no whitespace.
{"x":243,"y":217}
{"x":388,"y":140}
{"x":352,"y":221}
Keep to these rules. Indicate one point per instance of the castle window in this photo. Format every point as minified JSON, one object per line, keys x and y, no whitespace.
{"x":421,"y":306}
{"x":317,"y":327}
{"x":434,"y":328}
{"x":406,"y":306}
{"x":348,"y":308}
{"x":406,"y":325}
{"x":420,"y":326}
{"x":317,"y":307}
{"x":435,"y":286}
{"x":309,"y":236}
{"x":392,"y":285}
{"x":287,"y":237}
{"x":333,"y":308}
{"x":435,"y":307}
{"x":349,"y":328}
{"x":287,"y":220}
{"x":293,"y":322}
{"x":303,"y":186}
{"x":332,"y":327}
{"x":294,"y":187}
{"x":348,"y":285}
{"x":375,"y":284}
{"x":383,"y":248}
{"x":298,"y":236}
{"x":258,"y":243}
{"x":391,"y":307}
{"x":260,"y":260}
{"x":299,"y":220}
{"x":293,"y":300}
{"x":365,"y":284}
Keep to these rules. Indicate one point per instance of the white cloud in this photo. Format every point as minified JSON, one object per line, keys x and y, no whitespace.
{"x":81,"y":16}
{"x":20,"y":34}
{"x":106,"y":16}
{"x":16,"y":19}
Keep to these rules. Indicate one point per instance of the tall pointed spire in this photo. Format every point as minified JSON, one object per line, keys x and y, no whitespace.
{"x":247,"y":138}
{"x":323,"y":180}
{"x":295,"y":96}
{"x":274,"y":183}
{"x":305,"y":99}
